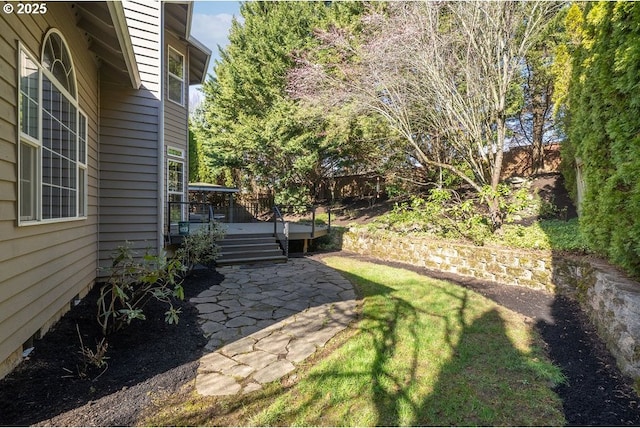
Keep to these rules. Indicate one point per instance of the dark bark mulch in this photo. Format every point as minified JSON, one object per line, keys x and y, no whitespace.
{"x":52,"y":386}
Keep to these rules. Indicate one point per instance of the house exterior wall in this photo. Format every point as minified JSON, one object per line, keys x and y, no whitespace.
{"x":131,"y":143}
{"x":43,"y":266}
{"x":176,"y":117}
{"x":175,"y":123}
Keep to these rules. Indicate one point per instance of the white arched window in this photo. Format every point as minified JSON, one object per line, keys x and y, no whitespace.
{"x":57,"y":60}
{"x":53,"y":136}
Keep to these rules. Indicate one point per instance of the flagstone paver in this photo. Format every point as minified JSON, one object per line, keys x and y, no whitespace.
{"x":262,"y":320}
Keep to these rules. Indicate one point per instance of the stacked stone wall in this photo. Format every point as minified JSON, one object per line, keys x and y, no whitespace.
{"x":611,"y":301}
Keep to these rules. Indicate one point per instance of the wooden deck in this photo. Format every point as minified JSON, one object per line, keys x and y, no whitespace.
{"x":297,"y":231}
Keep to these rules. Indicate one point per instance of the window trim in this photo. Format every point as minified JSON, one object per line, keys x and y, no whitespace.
{"x":175,"y":152}
{"x":81,"y":165}
{"x":177,"y":156}
{"x":170,"y":75}
{"x":34,"y":143}
{"x":51,"y":76}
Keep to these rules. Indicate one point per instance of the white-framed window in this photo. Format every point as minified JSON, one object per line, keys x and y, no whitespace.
{"x":175,"y":76}
{"x":176,"y":184}
{"x":52,"y":157}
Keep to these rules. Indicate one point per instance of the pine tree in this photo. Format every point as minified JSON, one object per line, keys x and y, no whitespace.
{"x":253,"y":132}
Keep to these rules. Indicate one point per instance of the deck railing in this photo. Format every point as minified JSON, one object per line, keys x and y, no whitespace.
{"x":181,"y":215}
{"x":186,"y":214}
{"x":302,"y":210}
{"x":284,"y":240}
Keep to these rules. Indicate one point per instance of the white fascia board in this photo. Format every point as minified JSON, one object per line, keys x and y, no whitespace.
{"x":116,"y":11}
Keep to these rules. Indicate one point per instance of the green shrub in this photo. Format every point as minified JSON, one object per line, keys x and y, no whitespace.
{"x":554,"y":235}
{"x":132,"y":283}
{"x":446,"y":214}
{"x":509,"y":202}
{"x":332,"y":241}
{"x":603,"y":123}
{"x":200,"y":247}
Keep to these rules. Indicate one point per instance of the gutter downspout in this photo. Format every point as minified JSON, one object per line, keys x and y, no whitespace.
{"x":161,"y":156}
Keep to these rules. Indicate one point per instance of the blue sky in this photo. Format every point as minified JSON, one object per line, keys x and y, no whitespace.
{"x":210,"y":25}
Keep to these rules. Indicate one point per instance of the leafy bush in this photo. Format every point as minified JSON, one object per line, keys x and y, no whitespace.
{"x":543,"y":235}
{"x":200,"y":247}
{"x":446,"y":214}
{"x":332,"y":241}
{"x":132,"y":283}
{"x":509,"y":202}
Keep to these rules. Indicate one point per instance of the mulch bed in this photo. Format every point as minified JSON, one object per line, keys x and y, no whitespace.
{"x":52,"y":387}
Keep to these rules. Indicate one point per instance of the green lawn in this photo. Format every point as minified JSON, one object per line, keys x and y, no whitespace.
{"x":425,"y":352}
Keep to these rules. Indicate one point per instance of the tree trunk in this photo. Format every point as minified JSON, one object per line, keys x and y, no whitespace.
{"x":495,"y":212}
{"x":538,"y":110}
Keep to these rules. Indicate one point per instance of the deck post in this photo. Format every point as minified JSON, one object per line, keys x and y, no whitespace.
{"x":286,"y":239}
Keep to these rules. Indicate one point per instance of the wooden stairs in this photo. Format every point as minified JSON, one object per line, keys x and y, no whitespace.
{"x":250,"y":248}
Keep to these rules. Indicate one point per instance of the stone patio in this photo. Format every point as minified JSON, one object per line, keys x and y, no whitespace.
{"x":262,"y":320}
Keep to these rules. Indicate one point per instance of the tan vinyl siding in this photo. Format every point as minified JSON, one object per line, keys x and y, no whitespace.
{"x":42,"y":266}
{"x":129,"y":139}
{"x":176,"y":115}
{"x":128,"y":176}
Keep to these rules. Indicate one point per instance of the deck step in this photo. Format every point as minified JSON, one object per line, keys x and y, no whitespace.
{"x":246,"y":260}
{"x":259,"y":246}
{"x":248,"y":241}
{"x":249,"y":252}
{"x":249,"y":248}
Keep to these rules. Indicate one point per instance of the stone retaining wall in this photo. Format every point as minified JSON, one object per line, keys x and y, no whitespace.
{"x":611,"y":300}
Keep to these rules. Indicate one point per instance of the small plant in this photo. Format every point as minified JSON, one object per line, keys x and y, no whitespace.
{"x":132,"y":283}
{"x":549,"y":210}
{"x":200,"y":247}
{"x":331,"y":241}
{"x":97,"y":358}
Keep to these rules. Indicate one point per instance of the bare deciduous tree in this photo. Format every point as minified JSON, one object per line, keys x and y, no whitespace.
{"x":440,"y":73}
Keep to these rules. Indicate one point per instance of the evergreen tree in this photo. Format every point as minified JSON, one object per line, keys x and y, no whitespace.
{"x":252,"y":132}
{"x":603,"y":124}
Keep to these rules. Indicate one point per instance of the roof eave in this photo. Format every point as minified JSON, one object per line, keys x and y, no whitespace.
{"x":116,"y":11}
{"x":197,"y":76}
{"x":181,"y":13}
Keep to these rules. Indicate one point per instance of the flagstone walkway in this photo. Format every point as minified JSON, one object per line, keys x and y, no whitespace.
{"x":262,"y":320}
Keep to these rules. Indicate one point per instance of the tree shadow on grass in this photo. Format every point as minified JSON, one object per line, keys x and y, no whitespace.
{"x":476,"y":375}
{"x":488,"y":381}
